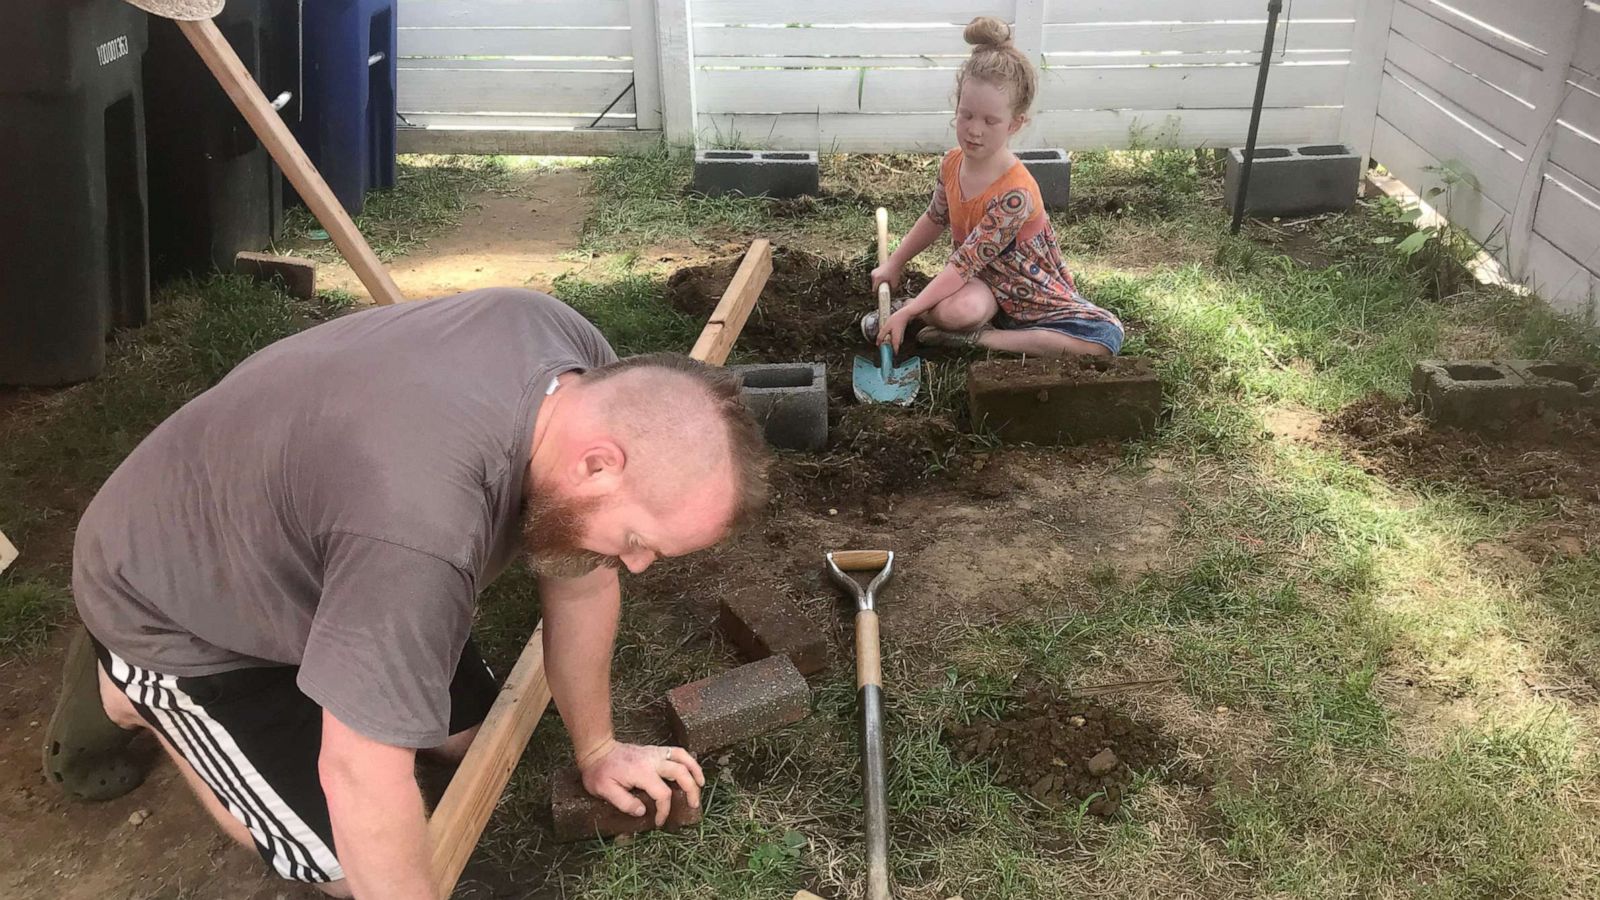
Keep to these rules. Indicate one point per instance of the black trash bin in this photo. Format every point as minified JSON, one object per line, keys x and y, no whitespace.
{"x":214,"y":189}
{"x":73,"y":246}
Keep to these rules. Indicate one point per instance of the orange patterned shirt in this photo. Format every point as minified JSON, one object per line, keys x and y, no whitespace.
{"x":1003,"y":236}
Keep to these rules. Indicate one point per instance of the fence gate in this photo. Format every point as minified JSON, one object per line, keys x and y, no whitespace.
{"x":567,"y":77}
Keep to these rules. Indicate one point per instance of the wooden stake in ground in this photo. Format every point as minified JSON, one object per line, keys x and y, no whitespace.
{"x":268,"y":126}
{"x":469,"y":801}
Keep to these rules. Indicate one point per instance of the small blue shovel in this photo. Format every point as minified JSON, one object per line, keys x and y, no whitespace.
{"x":883,"y":381}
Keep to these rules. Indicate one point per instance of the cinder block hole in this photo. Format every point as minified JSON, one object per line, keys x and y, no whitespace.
{"x":1270,"y":153}
{"x":1581,"y":376}
{"x":1466,"y":372}
{"x":786,"y":156}
{"x":797,"y":377}
{"x":1041,"y":154}
{"x":729,"y":154}
{"x":1325,"y":150}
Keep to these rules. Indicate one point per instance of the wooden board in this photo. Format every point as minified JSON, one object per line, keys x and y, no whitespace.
{"x":1511,"y":114}
{"x":8,"y":552}
{"x":574,"y":92}
{"x":1169,"y":37}
{"x":1447,"y":133}
{"x":727,"y":320}
{"x":1416,"y":167}
{"x":1578,"y":153}
{"x":832,"y":12}
{"x":1568,"y":287}
{"x":1569,"y":216}
{"x":1079,"y":130}
{"x":608,"y":42}
{"x":1193,"y":11}
{"x":464,"y":134}
{"x":1486,"y":59}
{"x":474,"y":791}
{"x":1587,"y":54}
{"x":511,"y":13}
{"x":1524,"y":28}
{"x":1072,"y":88}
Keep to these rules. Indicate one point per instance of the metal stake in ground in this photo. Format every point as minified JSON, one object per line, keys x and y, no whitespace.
{"x":1274,"y":7}
{"x":869,"y":682}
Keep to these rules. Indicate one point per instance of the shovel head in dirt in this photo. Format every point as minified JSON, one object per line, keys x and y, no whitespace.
{"x":885,"y":382}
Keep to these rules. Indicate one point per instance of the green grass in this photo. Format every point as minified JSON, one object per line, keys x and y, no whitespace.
{"x":28,"y":610}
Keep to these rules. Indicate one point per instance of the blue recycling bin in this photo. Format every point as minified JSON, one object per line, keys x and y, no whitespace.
{"x":347,"y":121}
{"x":74,"y":246}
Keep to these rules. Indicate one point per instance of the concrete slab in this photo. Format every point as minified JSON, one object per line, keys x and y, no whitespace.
{"x":1474,"y":393}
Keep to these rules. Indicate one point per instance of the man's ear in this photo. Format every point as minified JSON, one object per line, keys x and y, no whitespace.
{"x":599,"y":468}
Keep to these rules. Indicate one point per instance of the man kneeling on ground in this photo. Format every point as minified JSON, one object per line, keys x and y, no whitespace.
{"x":279,"y":582}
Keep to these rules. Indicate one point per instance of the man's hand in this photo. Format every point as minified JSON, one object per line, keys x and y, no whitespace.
{"x":612,"y":770}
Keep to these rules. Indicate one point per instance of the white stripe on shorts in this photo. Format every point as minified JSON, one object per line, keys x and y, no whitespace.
{"x":296,"y":851}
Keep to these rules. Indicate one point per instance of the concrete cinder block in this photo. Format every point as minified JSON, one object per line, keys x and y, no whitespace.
{"x":1052,"y":169}
{"x":578,"y":816}
{"x":1566,"y":385}
{"x":1491,"y":393}
{"x":761,"y":622}
{"x":782,"y":174}
{"x":299,"y":275}
{"x":1296,"y":180}
{"x":790,"y":400}
{"x":715,"y":712}
{"x":1065,"y":401}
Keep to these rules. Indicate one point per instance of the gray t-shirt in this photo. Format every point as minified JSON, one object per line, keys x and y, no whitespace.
{"x":336,"y":503}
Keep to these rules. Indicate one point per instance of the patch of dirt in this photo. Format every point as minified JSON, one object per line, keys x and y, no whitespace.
{"x":1063,"y":751}
{"x":523,"y":236}
{"x":1546,"y":459}
{"x":1295,"y":423}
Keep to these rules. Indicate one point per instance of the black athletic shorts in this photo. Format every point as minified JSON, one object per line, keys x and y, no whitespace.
{"x":254,"y":739}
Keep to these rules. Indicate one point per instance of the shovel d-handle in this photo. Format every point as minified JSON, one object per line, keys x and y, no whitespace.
{"x":860,"y":560}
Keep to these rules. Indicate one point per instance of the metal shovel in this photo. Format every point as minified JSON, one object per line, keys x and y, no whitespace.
{"x":883,"y":381}
{"x":869,"y":681}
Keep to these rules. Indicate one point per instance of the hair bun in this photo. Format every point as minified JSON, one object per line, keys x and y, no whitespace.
{"x":987,"y":31}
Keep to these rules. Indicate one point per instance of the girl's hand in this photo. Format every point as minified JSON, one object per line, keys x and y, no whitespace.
{"x":894,"y":330}
{"x":889,"y":274}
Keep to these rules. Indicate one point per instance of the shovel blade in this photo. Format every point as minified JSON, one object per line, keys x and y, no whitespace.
{"x":900,"y":387}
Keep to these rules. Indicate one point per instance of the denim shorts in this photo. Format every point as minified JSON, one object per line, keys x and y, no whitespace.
{"x":1099,"y":331}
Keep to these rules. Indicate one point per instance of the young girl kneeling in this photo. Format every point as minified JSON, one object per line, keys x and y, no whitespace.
{"x":1006,"y":286}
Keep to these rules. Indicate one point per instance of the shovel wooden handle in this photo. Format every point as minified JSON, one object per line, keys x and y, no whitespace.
{"x":883,"y":235}
{"x":860,"y":560}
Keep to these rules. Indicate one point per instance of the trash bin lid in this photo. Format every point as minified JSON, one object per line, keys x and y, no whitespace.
{"x":182,"y":10}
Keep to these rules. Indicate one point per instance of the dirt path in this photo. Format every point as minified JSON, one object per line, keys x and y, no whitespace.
{"x":514,"y":238}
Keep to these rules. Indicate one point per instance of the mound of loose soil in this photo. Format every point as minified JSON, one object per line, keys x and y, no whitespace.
{"x":1551,"y":458}
{"x":1063,"y":751}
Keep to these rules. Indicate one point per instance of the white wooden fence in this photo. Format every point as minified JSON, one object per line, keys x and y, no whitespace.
{"x":1494,"y":100}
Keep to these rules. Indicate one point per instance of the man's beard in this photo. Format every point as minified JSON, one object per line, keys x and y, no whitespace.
{"x":551,"y":531}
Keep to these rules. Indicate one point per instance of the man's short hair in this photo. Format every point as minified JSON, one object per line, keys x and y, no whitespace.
{"x":747,"y":448}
